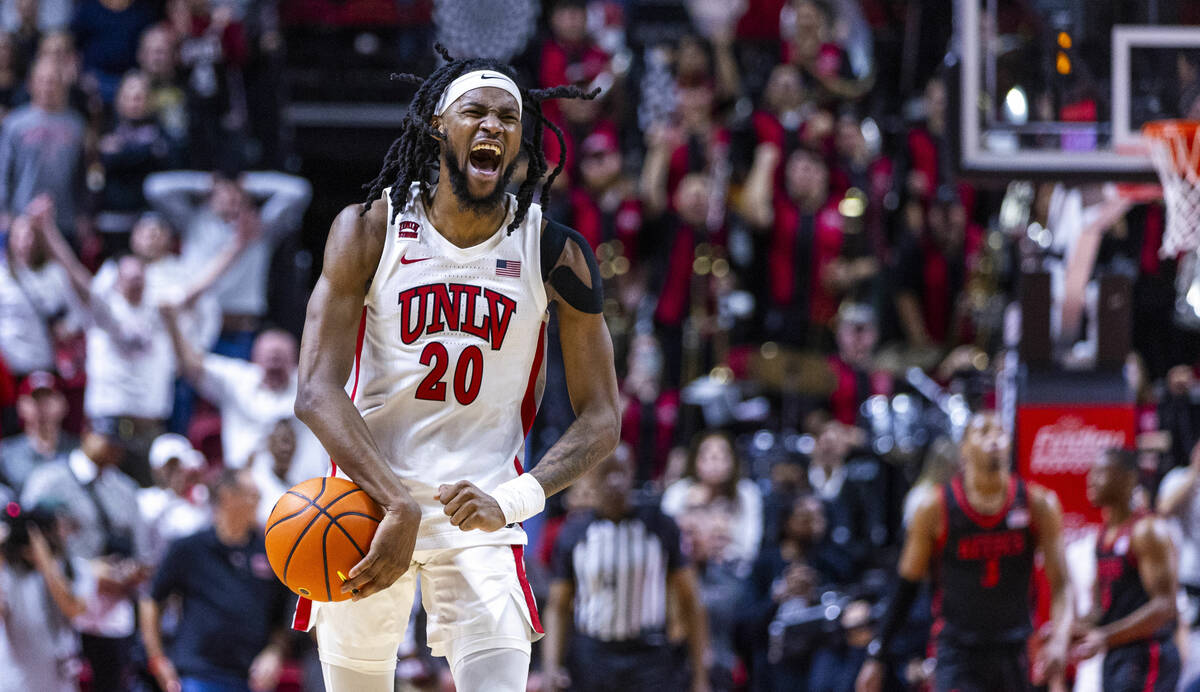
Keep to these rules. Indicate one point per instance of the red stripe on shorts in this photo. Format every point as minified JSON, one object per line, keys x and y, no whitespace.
{"x":303,"y":613}
{"x":519,"y":556}
{"x":1152,"y":671}
{"x":304,"y":606}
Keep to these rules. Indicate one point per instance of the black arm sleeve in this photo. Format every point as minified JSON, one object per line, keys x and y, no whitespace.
{"x":895,"y":616}
{"x":584,"y":298}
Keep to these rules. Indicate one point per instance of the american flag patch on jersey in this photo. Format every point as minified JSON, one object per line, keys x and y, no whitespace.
{"x":508,"y":268}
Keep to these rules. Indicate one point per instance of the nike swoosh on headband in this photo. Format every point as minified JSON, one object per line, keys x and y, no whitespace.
{"x":474,"y":80}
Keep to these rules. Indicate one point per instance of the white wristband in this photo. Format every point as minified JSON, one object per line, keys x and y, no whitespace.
{"x":520,"y":498}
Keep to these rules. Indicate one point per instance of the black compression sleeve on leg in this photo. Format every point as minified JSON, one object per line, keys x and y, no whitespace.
{"x":894,"y":617}
{"x":584,"y":298}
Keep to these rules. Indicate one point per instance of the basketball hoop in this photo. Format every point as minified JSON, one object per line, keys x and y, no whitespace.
{"x":1175,"y":151}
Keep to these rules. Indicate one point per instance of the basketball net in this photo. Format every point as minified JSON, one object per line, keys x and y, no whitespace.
{"x":1175,"y":151}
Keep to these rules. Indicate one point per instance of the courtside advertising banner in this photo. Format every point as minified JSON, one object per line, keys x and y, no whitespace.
{"x":1057,"y":445}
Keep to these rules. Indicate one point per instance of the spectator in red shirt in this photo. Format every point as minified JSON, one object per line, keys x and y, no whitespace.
{"x":856,"y":334}
{"x":705,"y":141}
{"x":782,"y":112}
{"x":760,"y":22}
{"x":932,"y":270}
{"x":569,"y":55}
{"x":926,"y":144}
{"x":930,"y":163}
{"x":709,"y":60}
{"x":808,"y":28}
{"x":648,"y":411}
{"x":578,"y":119}
{"x":694,"y":143}
{"x":785,"y":121}
{"x":806,"y":273}
{"x":604,"y":207}
{"x":807,"y":35}
{"x":860,"y":165}
{"x":678,"y":236}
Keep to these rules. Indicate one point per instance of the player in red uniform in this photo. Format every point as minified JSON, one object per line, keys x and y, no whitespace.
{"x":978,"y":535}
{"x":1133,"y":608}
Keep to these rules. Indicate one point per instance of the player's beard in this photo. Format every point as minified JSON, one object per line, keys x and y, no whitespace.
{"x":479,"y":206}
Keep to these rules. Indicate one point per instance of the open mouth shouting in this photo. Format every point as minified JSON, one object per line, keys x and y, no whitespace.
{"x":485,"y":160}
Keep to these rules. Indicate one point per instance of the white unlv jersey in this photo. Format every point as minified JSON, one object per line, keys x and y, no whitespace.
{"x":450,"y":371}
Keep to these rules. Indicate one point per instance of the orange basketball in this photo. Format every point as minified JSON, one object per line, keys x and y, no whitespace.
{"x":318,"y":529}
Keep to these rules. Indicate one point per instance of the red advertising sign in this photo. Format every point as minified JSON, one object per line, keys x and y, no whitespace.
{"x":1057,"y":445}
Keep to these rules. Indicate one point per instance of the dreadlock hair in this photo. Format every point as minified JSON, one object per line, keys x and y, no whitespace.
{"x":415,"y":152}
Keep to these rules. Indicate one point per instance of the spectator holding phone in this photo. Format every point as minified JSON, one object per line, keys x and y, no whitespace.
{"x":101,"y":502}
{"x":40,"y":592}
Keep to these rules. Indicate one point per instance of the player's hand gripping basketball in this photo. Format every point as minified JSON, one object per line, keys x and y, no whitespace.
{"x":470,"y":508}
{"x":390,"y":553}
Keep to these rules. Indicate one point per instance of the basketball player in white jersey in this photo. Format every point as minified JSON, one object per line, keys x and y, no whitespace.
{"x":421,"y":371}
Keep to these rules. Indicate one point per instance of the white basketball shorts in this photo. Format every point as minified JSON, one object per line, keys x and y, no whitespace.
{"x":466,"y":593}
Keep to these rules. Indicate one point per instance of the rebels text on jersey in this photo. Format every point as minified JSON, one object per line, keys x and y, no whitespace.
{"x":984,"y":570}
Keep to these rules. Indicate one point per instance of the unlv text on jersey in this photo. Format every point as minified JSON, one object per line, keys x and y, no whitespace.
{"x":455,"y":307}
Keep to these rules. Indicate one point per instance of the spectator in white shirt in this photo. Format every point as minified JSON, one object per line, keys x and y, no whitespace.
{"x":206,"y":207}
{"x":33,"y":296}
{"x":130,"y":366}
{"x":168,"y":278}
{"x":130,"y":362}
{"x":712,"y":480}
{"x":272,"y":467}
{"x":1179,"y":501}
{"x":251,"y":395}
{"x":176,"y":505}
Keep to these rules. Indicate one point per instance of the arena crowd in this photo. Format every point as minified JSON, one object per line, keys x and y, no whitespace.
{"x":771,"y":193}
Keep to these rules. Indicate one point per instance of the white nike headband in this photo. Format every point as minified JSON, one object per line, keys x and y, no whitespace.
{"x":475,"y":80}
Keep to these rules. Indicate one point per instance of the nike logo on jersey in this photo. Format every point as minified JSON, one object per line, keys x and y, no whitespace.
{"x":405,"y":260}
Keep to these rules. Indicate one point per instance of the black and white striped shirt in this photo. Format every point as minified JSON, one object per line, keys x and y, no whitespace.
{"x":620,"y":571}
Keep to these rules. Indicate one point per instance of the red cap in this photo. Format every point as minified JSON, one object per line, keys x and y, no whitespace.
{"x":601,"y":142}
{"x":39,"y":379}
{"x":584,"y":72}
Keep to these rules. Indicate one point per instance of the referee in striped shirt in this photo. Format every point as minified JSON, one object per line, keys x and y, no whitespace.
{"x":616,"y":568}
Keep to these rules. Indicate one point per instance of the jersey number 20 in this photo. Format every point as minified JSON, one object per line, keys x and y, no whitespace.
{"x":468,"y":373}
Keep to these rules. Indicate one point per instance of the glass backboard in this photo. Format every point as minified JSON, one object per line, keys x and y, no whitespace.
{"x":1061,"y":88}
